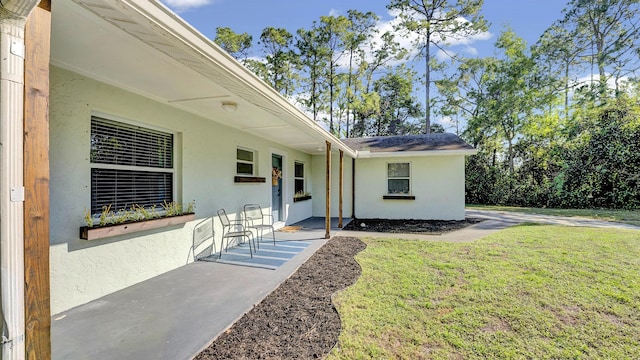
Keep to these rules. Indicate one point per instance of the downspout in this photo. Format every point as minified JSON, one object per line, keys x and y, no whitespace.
{"x":13,"y":16}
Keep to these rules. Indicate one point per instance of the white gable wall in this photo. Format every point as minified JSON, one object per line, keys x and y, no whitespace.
{"x":437,"y":182}
{"x":82,"y":270}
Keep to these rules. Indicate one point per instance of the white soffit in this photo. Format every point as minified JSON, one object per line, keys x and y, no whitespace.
{"x":142,"y":47}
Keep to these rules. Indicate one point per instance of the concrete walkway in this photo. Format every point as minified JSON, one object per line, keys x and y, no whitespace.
{"x":175,"y":315}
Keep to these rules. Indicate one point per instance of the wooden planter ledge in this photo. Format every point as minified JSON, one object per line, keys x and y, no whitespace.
{"x":99,"y":232}
{"x":302,"y":198}
{"x":398,"y":197}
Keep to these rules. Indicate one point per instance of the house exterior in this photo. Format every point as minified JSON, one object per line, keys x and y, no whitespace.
{"x":410,"y":177}
{"x":124,"y":102}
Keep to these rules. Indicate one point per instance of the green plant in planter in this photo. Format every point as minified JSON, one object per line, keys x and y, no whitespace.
{"x":88,"y":218}
{"x":121,"y":216}
{"x":106,"y":215}
{"x":172,"y":208}
{"x":301,"y":194}
{"x":190,"y":207}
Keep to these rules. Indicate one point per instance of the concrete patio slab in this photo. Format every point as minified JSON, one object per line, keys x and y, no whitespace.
{"x":175,"y":315}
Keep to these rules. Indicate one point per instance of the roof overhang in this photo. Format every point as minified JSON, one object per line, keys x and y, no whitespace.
{"x":143,"y":47}
{"x":401,"y":154}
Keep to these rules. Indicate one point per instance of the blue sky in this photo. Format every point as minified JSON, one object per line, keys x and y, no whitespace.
{"x":528,"y":18}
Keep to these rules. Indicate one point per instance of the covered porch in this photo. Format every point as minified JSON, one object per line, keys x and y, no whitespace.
{"x":178,"y":313}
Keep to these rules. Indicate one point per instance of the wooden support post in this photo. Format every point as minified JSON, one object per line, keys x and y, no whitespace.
{"x":353,"y":188}
{"x":341,"y":189}
{"x":36,"y":183}
{"x":327,"y":234}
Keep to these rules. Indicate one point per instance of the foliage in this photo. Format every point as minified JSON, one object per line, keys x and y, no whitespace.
{"x":555,"y":125}
{"x":525,"y":292}
{"x":237,"y":45}
{"x":137,"y":213}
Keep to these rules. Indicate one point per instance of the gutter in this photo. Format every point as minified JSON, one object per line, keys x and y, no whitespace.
{"x":13,"y":16}
{"x":398,"y":154}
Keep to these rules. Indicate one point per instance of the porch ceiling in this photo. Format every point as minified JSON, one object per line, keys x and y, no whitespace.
{"x":140,"y":46}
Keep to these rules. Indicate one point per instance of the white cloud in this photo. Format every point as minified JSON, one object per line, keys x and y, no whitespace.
{"x":407,"y":41}
{"x":180,"y":5}
{"x":334,"y":12}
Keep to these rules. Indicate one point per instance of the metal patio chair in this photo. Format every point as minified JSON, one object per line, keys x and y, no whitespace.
{"x":257,"y":220}
{"x":204,"y":243}
{"x":234,"y":229}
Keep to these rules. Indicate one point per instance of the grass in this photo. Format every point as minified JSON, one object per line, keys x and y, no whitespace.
{"x":526,"y":292}
{"x":625,"y":216}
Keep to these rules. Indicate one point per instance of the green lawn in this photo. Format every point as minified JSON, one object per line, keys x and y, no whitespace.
{"x":526,"y":292}
{"x":625,"y":216}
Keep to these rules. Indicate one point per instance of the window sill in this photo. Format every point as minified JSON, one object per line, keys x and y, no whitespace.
{"x":302,"y":198}
{"x":398,"y":197}
{"x":99,"y":232}
{"x":249,"y":179}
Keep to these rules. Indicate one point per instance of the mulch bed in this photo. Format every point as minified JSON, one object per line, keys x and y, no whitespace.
{"x":298,"y":319}
{"x":409,"y":226}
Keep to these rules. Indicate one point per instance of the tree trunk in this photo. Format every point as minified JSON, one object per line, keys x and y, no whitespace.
{"x":427,"y":128}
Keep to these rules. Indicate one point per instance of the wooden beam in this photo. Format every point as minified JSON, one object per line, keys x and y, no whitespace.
{"x":327,"y":234}
{"x":341,"y":189}
{"x":353,"y":188}
{"x":36,"y":182}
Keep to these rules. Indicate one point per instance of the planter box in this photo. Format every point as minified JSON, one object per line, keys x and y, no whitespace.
{"x":302,"y":198}
{"x":99,"y":232}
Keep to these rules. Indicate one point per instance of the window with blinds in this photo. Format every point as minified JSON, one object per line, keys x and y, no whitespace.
{"x":399,"y":178}
{"x":130,"y":165}
{"x":299,"y":178}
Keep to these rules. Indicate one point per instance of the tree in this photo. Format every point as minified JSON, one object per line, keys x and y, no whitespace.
{"x":611,"y":29}
{"x":276,"y":44}
{"x":237,"y":45}
{"x":361,"y":28}
{"x":433,"y":21}
{"x":397,"y":104}
{"x":312,"y":59}
{"x":332,"y":33}
{"x":560,"y":53}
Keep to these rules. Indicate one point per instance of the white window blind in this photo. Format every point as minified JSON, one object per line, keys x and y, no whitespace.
{"x":131,"y":165}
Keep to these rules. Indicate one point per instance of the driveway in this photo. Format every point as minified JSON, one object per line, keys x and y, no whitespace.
{"x":495,"y":221}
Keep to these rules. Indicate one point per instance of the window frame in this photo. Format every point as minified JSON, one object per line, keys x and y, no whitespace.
{"x":296,"y":178}
{"x":253,"y":162}
{"x":170,"y":171}
{"x":408,"y":178}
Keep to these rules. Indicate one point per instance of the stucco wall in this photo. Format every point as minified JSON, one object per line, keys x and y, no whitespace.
{"x":437,"y":182}
{"x":319,"y":187}
{"x":205,"y":161}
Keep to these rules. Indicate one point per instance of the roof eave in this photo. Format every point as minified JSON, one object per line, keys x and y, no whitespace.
{"x":400,"y":154}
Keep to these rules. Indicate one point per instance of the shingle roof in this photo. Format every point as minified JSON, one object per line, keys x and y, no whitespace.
{"x":400,"y":143}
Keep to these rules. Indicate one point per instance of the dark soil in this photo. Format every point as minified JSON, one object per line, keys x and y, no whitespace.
{"x":409,"y":226}
{"x":298,"y":319}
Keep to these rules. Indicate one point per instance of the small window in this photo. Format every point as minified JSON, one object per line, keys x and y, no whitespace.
{"x":130,"y":165}
{"x":399,"y":178}
{"x":299,"y":178}
{"x":245,"y":164}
